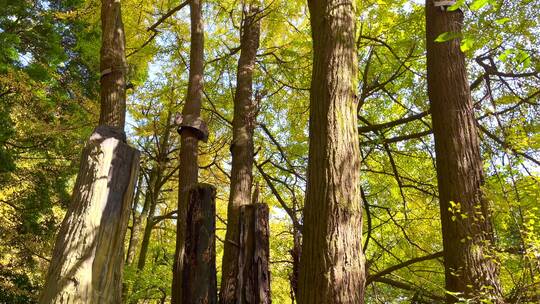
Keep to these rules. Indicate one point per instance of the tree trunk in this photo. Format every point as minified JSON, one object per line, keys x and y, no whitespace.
{"x":189,"y":167}
{"x":147,"y":231}
{"x":87,"y":262}
{"x":253,"y":257}
{"x":133,"y":235}
{"x":296,"y":253}
{"x":199,"y":271}
{"x":332,"y":263}
{"x":136,"y":224}
{"x":113,"y":66}
{"x":466,"y":220}
{"x":242,"y":153}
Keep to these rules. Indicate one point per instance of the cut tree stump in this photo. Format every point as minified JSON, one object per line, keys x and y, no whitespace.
{"x":199,"y":270}
{"x":88,"y":258}
{"x":253,"y":274}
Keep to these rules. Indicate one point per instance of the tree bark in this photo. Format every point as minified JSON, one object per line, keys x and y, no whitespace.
{"x":113,"y":66}
{"x":87,"y":261}
{"x":199,"y":271}
{"x":189,"y":167}
{"x":253,"y":276}
{"x":332,"y":263}
{"x":467,"y":232}
{"x":242,"y":153}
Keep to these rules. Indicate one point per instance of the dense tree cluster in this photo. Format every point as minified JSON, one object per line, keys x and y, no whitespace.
{"x":396,"y":145}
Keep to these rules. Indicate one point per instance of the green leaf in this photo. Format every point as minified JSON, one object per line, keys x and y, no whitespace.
{"x":456,"y":5}
{"x":466,"y":44}
{"x":478,"y":4}
{"x":502,"y":20}
{"x":447,"y":36}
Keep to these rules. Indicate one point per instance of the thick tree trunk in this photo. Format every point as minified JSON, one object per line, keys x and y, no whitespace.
{"x":253,"y":257}
{"x":87,"y":262}
{"x":199,"y":271}
{"x":189,"y":166}
{"x":466,"y":220}
{"x":332,"y":265}
{"x":242,"y":153}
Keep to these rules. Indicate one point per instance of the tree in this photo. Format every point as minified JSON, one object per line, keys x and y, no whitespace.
{"x":470,"y":268}
{"x":242,"y":151}
{"x":332,"y":265}
{"x":49,"y":100}
{"x":88,"y":257}
{"x":158,"y":177}
{"x":189,"y":166}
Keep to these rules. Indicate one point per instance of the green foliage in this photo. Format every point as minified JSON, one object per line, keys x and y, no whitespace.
{"x":49,"y":58}
{"x":16,"y":288}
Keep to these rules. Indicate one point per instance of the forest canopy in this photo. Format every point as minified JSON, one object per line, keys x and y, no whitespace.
{"x":420,"y":125}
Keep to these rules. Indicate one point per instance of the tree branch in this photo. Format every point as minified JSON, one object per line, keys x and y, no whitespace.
{"x":372,"y":278}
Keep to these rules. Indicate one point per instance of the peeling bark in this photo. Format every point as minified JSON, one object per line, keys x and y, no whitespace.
{"x":253,"y":276}
{"x":199,"y":271}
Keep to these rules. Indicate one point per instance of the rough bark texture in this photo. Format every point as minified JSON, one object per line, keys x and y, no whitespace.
{"x":465,"y":214}
{"x":189,"y":167}
{"x":113,"y":66}
{"x":87,"y":261}
{"x":332,"y":265}
{"x":253,"y":277}
{"x":199,"y":271}
{"x":242,"y":152}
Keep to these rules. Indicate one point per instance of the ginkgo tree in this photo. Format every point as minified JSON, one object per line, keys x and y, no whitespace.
{"x":49,"y":84}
